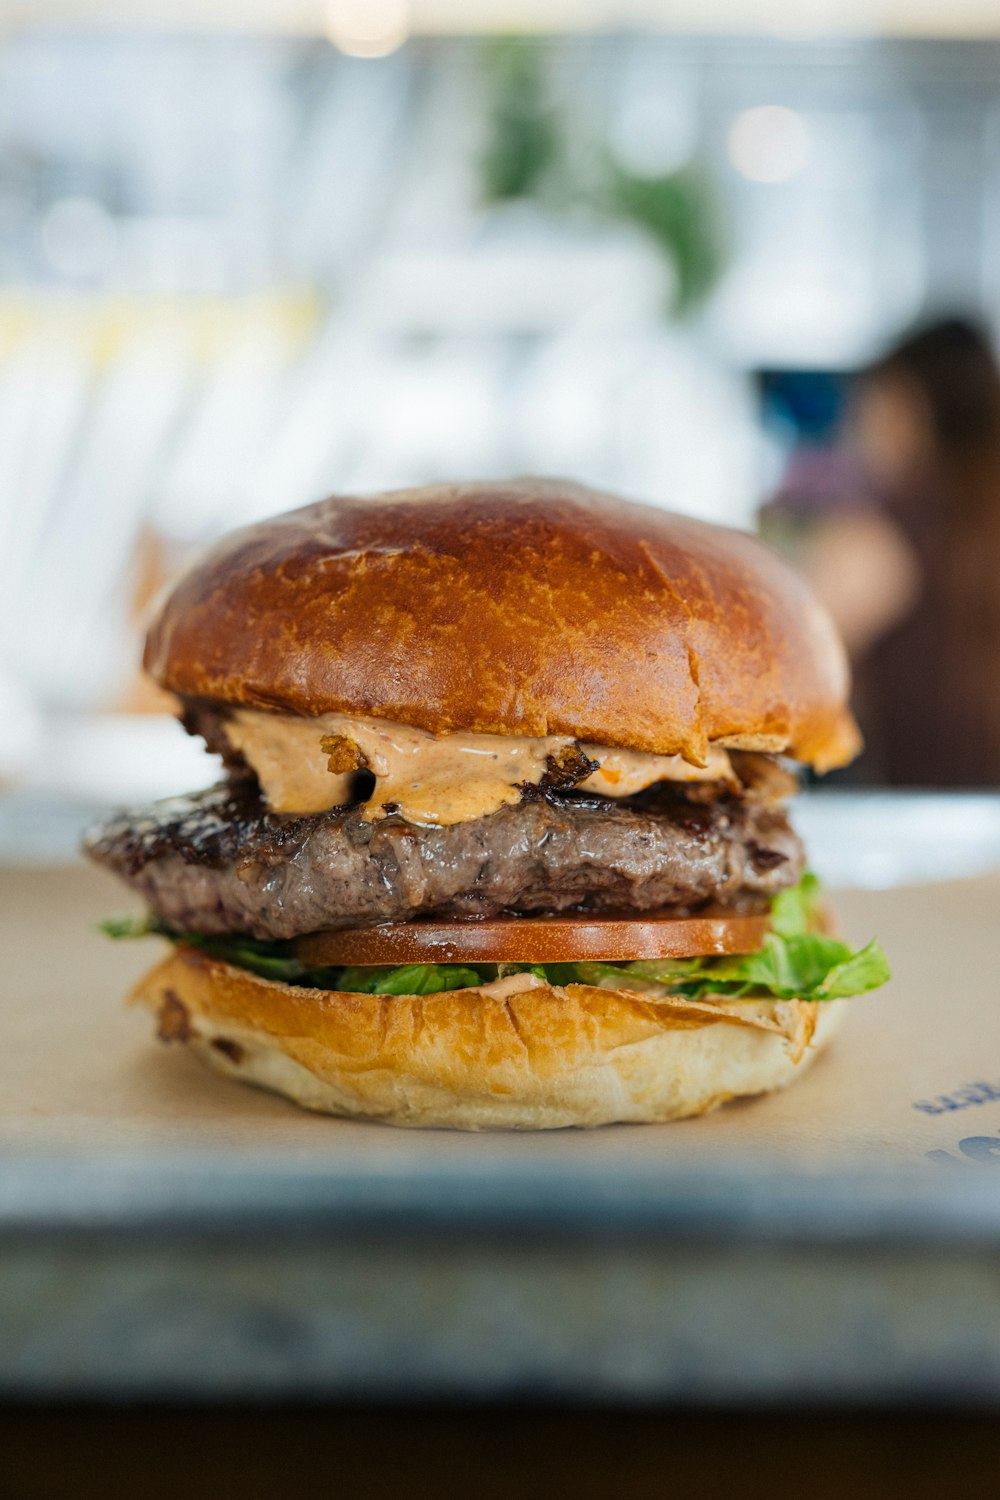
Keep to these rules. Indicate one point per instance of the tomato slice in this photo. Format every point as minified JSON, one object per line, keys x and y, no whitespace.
{"x":611,"y":937}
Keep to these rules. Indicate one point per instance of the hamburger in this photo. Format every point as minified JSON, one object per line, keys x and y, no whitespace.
{"x":503,"y":839}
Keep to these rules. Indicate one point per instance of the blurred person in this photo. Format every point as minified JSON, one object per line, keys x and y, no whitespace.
{"x":910,"y":565}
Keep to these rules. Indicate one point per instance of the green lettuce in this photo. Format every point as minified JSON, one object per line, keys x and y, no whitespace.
{"x":794,"y":963}
{"x":794,"y":910}
{"x":806,"y":966}
{"x":410,"y":979}
{"x":269,"y":960}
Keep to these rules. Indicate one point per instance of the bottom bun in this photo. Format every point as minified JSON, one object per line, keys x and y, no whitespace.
{"x":515,"y":1055}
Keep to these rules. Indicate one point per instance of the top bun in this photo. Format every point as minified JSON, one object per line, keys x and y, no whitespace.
{"x":532,"y":607}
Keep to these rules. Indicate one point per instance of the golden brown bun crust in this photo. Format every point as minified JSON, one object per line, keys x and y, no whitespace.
{"x":476,"y":1060}
{"x":532,"y":607}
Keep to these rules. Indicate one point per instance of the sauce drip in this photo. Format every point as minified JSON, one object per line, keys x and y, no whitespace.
{"x":426,"y":778}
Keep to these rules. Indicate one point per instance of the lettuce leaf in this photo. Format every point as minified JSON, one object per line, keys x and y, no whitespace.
{"x":410,"y":979}
{"x":128,"y":927}
{"x":793,"y":910}
{"x":868,"y":969}
{"x":794,"y":963}
{"x":269,"y":960}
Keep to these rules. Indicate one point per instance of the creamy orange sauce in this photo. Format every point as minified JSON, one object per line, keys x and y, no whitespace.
{"x":624,"y":772}
{"x":430,"y":779}
{"x":291,"y":766}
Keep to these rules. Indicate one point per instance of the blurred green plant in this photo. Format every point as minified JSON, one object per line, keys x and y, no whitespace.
{"x":523,"y":144}
{"x":677,"y":210}
{"x":526,"y":157}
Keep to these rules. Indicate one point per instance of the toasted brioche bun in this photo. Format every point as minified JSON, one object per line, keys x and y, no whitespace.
{"x":533,"y":607}
{"x":481,"y":1059}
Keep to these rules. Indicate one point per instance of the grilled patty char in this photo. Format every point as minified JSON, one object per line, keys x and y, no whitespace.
{"x":220,"y":862}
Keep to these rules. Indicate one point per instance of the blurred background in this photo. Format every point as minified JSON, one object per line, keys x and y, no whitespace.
{"x":739,"y":259}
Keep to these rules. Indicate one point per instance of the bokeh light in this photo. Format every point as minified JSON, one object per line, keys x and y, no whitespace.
{"x":769,"y":143}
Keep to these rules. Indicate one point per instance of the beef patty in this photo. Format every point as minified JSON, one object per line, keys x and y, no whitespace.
{"x":220,"y":862}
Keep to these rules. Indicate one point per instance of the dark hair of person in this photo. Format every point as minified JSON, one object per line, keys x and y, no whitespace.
{"x":953,"y":363}
{"x":950,"y":512}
